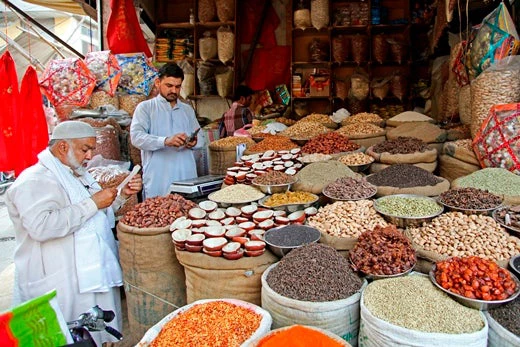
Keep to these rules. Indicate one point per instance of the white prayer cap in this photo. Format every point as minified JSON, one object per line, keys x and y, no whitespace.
{"x":72,"y":130}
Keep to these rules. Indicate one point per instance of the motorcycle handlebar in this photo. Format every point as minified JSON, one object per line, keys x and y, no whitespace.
{"x":108,"y":316}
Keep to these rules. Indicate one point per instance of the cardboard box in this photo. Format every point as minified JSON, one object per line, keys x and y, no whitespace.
{"x":319,"y":85}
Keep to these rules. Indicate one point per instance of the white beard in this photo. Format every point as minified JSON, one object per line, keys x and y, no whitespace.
{"x":78,"y":168}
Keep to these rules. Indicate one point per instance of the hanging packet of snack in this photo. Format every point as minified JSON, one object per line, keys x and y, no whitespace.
{"x":68,"y":82}
{"x":137,"y":74}
{"x":105,"y":67}
{"x":497,"y":144}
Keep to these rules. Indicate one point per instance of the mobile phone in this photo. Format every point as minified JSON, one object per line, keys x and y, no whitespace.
{"x":192,"y":136}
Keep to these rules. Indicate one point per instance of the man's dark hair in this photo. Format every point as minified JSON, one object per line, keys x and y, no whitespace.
{"x":171,"y":70}
{"x":242,"y":90}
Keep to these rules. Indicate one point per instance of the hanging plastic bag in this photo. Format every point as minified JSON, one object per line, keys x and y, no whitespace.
{"x":207,"y":46}
{"x":225,"y":10}
{"x":320,"y":13}
{"x":495,"y":39}
{"x":224,"y":80}
{"x":106,"y":69}
{"x":359,"y":85}
{"x":226,"y":44}
{"x":302,"y":16}
{"x":188,"y":83}
{"x":207,"y":10}
{"x":68,"y":81}
{"x":137,"y":74}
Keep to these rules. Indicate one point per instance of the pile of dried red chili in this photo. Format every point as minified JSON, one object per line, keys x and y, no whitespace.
{"x":216,"y":323}
{"x":475,"y":278}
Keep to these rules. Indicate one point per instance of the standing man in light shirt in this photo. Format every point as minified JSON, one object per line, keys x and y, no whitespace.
{"x":160,"y":129}
{"x":63,"y":222}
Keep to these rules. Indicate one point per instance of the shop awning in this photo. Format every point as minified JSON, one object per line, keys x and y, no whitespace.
{"x":70,"y":6}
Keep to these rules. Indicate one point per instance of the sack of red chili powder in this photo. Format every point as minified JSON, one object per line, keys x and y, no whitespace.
{"x":231,"y":322}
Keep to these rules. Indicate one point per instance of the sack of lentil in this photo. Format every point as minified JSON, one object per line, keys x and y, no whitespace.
{"x":408,"y":116}
{"x":231,"y":328}
{"x":128,"y":102}
{"x":496,"y":180}
{"x":226,"y":44}
{"x":457,"y":132}
{"x":153,"y":278}
{"x":102,"y":98}
{"x":208,"y":46}
{"x":340,"y":317}
{"x":452,"y":168}
{"x":430,"y":167}
{"x":210,"y":277}
{"x":427,"y":156}
{"x":427,"y":132}
{"x":411,"y":311}
{"x":461,"y":150}
{"x":499,"y":84}
{"x":320,"y":13}
{"x":498,"y":335}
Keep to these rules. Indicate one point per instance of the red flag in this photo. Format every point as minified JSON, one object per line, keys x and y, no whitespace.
{"x":10,"y":154}
{"x":124,"y":34}
{"x":34,"y":133}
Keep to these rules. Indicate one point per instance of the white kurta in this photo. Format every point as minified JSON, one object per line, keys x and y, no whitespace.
{"x":45,"y":222}
{"x":153,"y":121}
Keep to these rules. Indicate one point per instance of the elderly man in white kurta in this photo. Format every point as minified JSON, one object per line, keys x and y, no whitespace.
{"x":160,"y":129}
{"x":63,"y":222}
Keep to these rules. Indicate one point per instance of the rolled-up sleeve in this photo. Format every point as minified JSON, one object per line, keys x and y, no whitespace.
{"x":140,"y":130}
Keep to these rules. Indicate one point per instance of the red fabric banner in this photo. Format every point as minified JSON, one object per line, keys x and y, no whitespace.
{"x":33,"y":130}
{"x":10,"y":155}
{"x":124,"y":34}
{"x":249,"y":21}
{"x":269,"y":68}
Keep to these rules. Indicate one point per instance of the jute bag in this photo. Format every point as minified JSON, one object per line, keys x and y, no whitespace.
{"x":340,"y":317}
{"x":215,"y":277}
{"x":368,"y":140}
{"x":430,"y":167}
{"x":460,"y":153}
{"x":428,"y":156}
{"x":341,"y":244}
{"x":435,"y":190}
{"x":220,"y":159}
{"x":153,"y":278}
{"x":429,"y":133}
{"x":452,"y":168}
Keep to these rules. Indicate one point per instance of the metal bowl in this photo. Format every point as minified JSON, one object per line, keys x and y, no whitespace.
{"x":333,"y":199}
{"x":280,"y":251}
{"x":483,"y":211}
{"x":482,"y":305}
{"x":274,"y":188}
{"x":299,"y":142}
{"x":403,"y":221}
{"x":288,"y":207}
{"x":228,"y":203}
{"x":514,"y":265}
{"x":499,"y":221}
{"x":359,"y":168}
{"x":374,"y":277}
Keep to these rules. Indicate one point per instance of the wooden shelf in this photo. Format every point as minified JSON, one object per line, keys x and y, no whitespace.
{"x":199,"y":97}
{"x":311,"y":97}
{"x":196,"y":25}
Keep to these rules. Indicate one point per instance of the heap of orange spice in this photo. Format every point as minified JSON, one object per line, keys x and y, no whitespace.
{"x":216,"y":323}
{"x":299,"y":336}
{"x":475,"y":278}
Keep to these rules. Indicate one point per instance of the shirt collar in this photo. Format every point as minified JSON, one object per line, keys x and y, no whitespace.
{"x":163,"y":101}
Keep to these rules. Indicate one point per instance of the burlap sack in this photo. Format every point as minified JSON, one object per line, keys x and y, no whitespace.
{"x":508,"y":199}
{"x":425,"y":131}
{"x":341,"y":244}
{"x":220,"y":159}
{"x":435,"y":190}
{"x":460,"y":153}
{"x":153,"y":278}
{"x":452,"y":168}
{"x":430,"y":167}
{"x":465,"y":104}
{"x":428,"y":156}
{"x":211,"y":277}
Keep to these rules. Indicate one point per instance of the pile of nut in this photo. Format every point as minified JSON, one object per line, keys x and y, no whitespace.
{"x":357,"y":158}
{"x":318,"y":118}
{"x":383,"y":251}
{"x":158,"y":212}
{"x":347,"y":218}
{"x":232,"y":232}
{"x":455,"y":234}
{"x":314,"y":157}
{"x":274,"y":178}
{"x":363,"y":117}
{"x":232,"y":141}
{"x":348,"y":188}
{"x":252,"y":166}
{"x":353,"y":129}
{"x":329,"y":143}
{"x":305,"y":130}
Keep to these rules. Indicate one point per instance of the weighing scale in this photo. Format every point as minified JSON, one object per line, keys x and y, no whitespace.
{"x":198,"y":186}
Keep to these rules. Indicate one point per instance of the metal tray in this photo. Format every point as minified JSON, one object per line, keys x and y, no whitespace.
{"x":288,"y":207}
